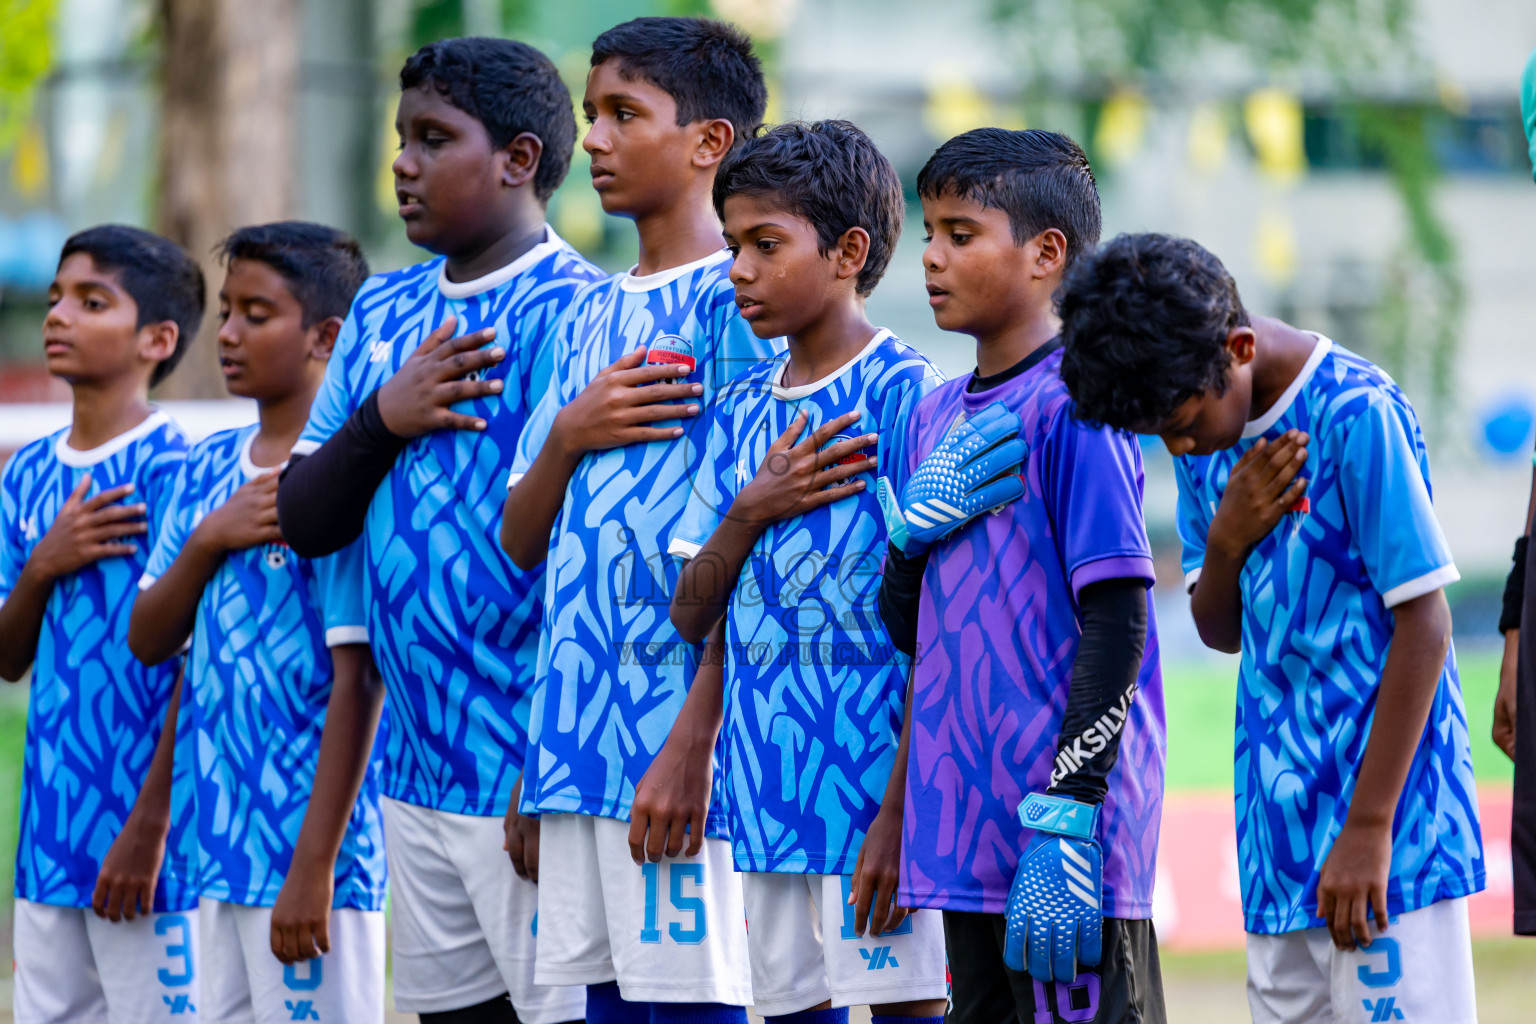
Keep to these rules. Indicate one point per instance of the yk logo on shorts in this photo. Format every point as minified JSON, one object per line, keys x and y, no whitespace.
{"x":670,"y":350}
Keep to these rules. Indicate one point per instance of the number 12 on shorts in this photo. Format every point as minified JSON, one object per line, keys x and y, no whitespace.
{"x":690,"y":928}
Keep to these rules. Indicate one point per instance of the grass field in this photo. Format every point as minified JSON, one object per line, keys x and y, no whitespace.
{"x":1202,"y":988}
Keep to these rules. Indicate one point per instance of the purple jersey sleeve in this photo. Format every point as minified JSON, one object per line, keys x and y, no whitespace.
{"x":1092,"y":480}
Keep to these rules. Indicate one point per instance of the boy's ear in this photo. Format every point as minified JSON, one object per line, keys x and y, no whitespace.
{"x":715,"y":140}
{"x":520,"y":160}
{"x":1050,"y":254}
{"x":852,"y":250}
{"x":322,"y":337}
{"x":1241,"y":342}
{"x":157,"y":342}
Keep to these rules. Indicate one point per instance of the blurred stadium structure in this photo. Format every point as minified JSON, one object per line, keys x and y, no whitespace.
{"x":1270,"y":140}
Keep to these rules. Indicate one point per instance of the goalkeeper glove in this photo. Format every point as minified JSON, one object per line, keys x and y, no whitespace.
{"x":1055,"y":918}
{"x":975,"y":469}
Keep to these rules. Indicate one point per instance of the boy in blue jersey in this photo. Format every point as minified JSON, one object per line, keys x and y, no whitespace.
{"x":79,"y":511}
{"x":1034,"y":778}
{"x":1311,"y":547}
{"x":785,"y":541}
{"x":275,"y":640}
{"x":436,"y":369}
{"x":606,"y":466}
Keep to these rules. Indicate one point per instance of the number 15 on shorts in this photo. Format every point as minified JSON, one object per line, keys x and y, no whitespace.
{"x":685,"y":919}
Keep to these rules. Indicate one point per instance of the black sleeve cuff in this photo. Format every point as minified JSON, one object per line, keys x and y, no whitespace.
{"x":1514,"y":589}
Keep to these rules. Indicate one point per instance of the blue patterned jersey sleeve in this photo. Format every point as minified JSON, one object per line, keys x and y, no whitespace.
{"x":173,"y":523}
{"x":713,"y":488}
{"x":1384,"y":489}
{"x":339,"y":587}
{"x":13,"y":555}
{"x":552,"y":367}
{"x":1092,"y":482}
{"x":335,"y":401}
{"x":1193,"y":517}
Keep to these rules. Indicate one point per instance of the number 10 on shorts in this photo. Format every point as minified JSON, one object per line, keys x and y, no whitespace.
{"x":689,"y":928}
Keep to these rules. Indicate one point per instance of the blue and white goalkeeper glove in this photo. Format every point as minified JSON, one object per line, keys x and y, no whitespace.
{"x":973,"y":470}
{"x":1055,"y":919}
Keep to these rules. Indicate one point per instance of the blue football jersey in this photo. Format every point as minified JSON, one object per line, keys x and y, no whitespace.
{"x":814,"y":688}
{"x":454,"y":624}
{"x":95,"y":710}
{"x":615,"y":671}
{"x":1318,"y":594}
{"x":257,"y":686}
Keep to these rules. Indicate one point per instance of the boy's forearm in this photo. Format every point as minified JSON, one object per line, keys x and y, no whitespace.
{"x":698,"y":722}
{"x":153,"y":805}
{"x":21,"y":622}
{"x":346,"y":743}
{"x":1216,"y":604}
{"x":1421,"y":638}
{"x":533,"y":504}
{"x":705,"y":584}
{"x":895,"y":799}
{"x":164,"y":612}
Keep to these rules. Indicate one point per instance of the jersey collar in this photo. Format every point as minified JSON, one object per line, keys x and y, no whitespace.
{"x":802,"y":390}
{"x":248,"y":467}
{"x":552,"y":243}
{"x":76,"y":458}
{"x":632,"y":282}
{"x":1256,"y":428}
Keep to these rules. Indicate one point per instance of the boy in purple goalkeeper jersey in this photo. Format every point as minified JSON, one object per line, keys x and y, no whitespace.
{"x":1036,"y":694}
{"x":1310,"y":547}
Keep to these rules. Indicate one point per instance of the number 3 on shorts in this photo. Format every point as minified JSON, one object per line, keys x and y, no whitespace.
{"x":692,"y":906}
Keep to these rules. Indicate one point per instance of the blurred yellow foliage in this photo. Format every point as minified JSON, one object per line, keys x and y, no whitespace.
{"x":954,"y":104}
{"x":1274,"y":242}
{"x":26,"y":52}
{"x":1122,"y":127}
{"x":29,"y":164}
{"x":1209,"y":130}
{"x":1273,"y":119}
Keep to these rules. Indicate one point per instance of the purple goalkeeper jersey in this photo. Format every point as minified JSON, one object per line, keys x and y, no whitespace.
{"x":997,"y":636}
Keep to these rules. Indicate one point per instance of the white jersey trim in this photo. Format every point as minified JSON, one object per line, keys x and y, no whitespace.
{"x":248,"y":467}
{"x":551,"y":244}
{"x":1191,"y":578}
{"x":684,"y":548}
{"x":513,"y":477}
{"x":1254,"y":428}
{"x":802,"y":390}
{"x":304,"y":447}
{"x":633,"y":282}
{"x":78,"y":458}
{"x":336,"y":636}
{"x":1429,"y":582}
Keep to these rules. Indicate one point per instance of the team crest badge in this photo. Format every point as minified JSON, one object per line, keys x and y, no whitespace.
{"x":277,"y":556}
{"x":669,"y":350}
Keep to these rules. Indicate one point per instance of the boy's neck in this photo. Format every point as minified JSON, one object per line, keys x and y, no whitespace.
{"x":679,"y":234}
{"x":1014,"y":342}
{"x":521,"y":235}
{"x":104,"y":409}
{"x":280,"y":422}
{"x":1280,"y":351}
{"x":821,"y":348}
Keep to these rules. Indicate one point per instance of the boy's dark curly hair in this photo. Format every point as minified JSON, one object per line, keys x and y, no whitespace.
{"x":830,"y":174}
{"x":706,"y":66}
{"x":1144,"y":324}
{"x":510,"y":88}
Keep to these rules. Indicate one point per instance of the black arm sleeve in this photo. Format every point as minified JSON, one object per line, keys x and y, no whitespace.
{"x":900,"y":588}
{"x":1514,"y":589}
{"x":322,"y":498}
{"x":1114,"y":616}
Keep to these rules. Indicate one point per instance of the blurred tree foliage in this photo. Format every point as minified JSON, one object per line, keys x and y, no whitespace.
{"x":26,"y":54}
{"x":1160,"y":46}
